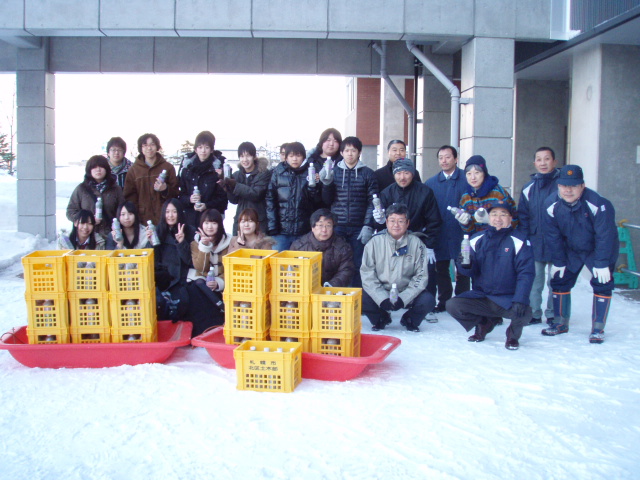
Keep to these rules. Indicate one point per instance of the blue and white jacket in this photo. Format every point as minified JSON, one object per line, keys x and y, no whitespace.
{"x":583,"y":233}
{"x":502,"y":267}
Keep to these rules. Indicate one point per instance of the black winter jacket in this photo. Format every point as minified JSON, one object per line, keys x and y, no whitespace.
{"x":424,"y":215}
{"x":350,"y":196}
{"x":250,"y":192}
{"x":384,"y":176}
{"x":290,"y":200}
{"x":202,"y":175}
{"x":337,"y":257}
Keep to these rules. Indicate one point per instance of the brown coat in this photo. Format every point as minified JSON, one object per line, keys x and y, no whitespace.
{"x":261,"y":243}
{"x":205,"y":256}
{"x":138,"y":187}
{"x":84,"y":199}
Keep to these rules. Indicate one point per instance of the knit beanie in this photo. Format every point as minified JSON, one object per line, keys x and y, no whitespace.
{"x":403,"y":164}
{"x":478,"y":161}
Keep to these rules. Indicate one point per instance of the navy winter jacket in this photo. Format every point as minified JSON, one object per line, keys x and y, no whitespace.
{"x":350,"y":196}
{"x":290,"y":200}
{"x":531,"y":210}
{"x":502,"y":267}
{"x":584,"y":233}
{"x":448,"y":193}
{"x":424,"y":216}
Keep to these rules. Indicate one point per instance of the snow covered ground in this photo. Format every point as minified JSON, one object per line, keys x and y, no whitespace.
{"x":439,"y":407}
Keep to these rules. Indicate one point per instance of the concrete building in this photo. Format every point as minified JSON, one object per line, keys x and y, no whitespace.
{"x":529,"y":73}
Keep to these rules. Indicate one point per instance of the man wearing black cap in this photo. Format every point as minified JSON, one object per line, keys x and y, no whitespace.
{"x":502,"y":269}
{"x":580,"y":229}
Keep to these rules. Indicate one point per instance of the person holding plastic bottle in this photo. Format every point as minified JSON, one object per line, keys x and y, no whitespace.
{"x":132,"y":234}
{"x":328,"y":148}
{"x":249,"y":233}
{"x":151,"y":180}
{"x":580,"y":229}
{"x":349,"y":189}
{"x":98,"y":193}
{"x":200,"y":177}
{"x":482,"y":190}
{"x":502,"y":270}
{"x":397,"y":257}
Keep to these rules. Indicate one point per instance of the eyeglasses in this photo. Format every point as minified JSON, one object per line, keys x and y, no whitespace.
{"x":499,"y":215}
{"x":324,"y":226}
{"x":116,"y":150}
{"x":397,"y":221}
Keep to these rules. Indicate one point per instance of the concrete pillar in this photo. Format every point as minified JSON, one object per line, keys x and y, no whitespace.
{"x":35,"y":94}
{"x":486,"y":124}
{"x":436,"y":116}
{"x":542,"y":115}
{"x":391,"y":117}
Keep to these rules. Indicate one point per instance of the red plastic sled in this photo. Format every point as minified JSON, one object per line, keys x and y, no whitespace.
{"x":373,"y":349}
{"x":97,"y":355}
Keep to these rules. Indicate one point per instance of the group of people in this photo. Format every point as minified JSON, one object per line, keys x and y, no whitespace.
{"x":384,"y":230}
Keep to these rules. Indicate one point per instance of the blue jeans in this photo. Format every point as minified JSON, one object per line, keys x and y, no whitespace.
{"x":350,"y":234}
{"x":535,"y":298}
{"x":283,"y":242}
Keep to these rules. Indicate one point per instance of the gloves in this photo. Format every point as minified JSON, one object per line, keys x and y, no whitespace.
{"x":555,"y":270}
{"x":378,"y":216}
{"x":386,"y":305}
{"x":229,"y":184}
{"x":481,"y":216}
{"x":603,"y":275}
{"x":463,"y":218}
{"x":365,"y":234}
{"x":431,"y":255}
{"x":326,"y":175}
{"x":517,"y":310}
{"x":399,"y":304}
{"x":460,"y":260}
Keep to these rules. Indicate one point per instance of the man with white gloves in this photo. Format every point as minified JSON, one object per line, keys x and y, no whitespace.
{"x":580,"y":229}
{"x":424,"y":215}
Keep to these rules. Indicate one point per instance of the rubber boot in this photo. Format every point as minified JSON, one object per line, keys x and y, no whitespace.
{"x":562,"y":313}
{"x":599,"y":314}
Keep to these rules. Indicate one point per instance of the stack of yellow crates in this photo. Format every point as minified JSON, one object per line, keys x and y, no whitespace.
{"x":336,"y":321}
{"x":132,"y":298}
{"x":46,"y":296}
{"x":88,"y":295}
{"x":247,"y":313}
{"x":295,"y":276}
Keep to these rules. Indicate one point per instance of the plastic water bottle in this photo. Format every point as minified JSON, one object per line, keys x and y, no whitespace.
{"x":196,"y":191}
{"x":154,"y":234}
{"x":48,"y":317}
{"x":292,"y":283}
{"x":226,"y":170}
{"x":393,"y":294}
{"x":211,"y":276}
{"x":99,"y":208}
{"x":454,"y":210}
{"x":63,"y":240}
{"x":91,"y":314}
{"x":163,"y":176}
{"x":465,"y":249}
{"x":377,"y":204}
{"x":117,"y":230}
{"x":132,"y":314}
{"x":312,"y":175}
{"x":329,"y":164}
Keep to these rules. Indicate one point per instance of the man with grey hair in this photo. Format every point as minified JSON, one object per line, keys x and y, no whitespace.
{"x":395,"y":257}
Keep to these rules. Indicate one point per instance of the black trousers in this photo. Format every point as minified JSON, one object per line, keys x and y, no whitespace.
{"x":440,"y":279}
{"x":471,"y":311}
{"x":416,"y":310}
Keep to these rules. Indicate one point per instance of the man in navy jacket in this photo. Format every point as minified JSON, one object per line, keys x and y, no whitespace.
{"x":531,"y":212}
{"x":448,"y":186}
{"x":502,"y":269}
{"x":580,"y":230}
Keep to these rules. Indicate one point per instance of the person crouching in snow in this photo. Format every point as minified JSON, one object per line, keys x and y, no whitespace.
{"x":502,"y":271}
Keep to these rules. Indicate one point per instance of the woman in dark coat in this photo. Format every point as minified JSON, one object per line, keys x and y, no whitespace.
{"x":199,"y":170}
{"x":248,"y":186}
{"x":98,"y":183}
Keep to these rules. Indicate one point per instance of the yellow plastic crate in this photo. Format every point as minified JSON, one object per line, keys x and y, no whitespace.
{"x":45,"y":271}
{"x":246,"y":314}
{"x":87,"y":270}
{"x":47,"y":336}
{"x":290,"y":313}
{"x":136,"y":310}
{"x":245,"y":274}
{"x":336,"y":313}
{"x":288,"y":337}
{"x":268,"y":371}
{"x":48,"y":310}
{"x":296,"y":273}
{"x":134,"y":334}
{"x":91,"y":335}
{"x":131,"y":271}
{"x":339,"y":344}
{"x":236,"y":337}
{"x":88,"y":309}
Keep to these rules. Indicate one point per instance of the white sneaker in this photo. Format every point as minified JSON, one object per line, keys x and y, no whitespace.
{"x":431,"y":318}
